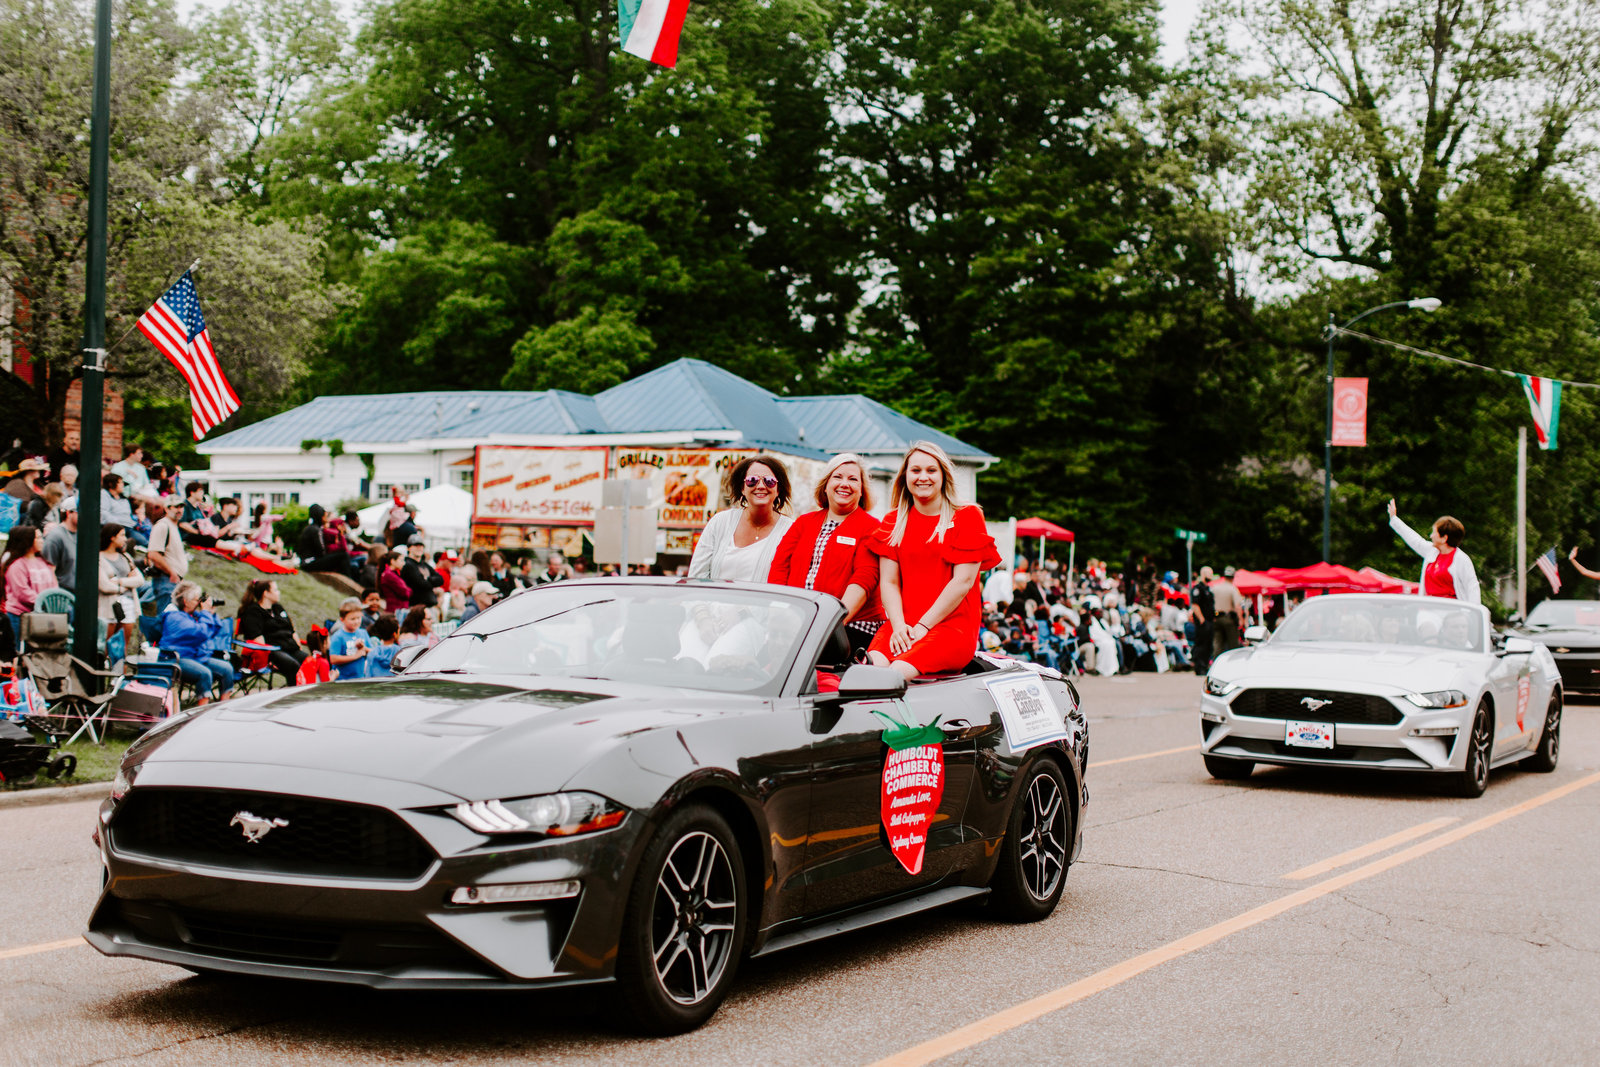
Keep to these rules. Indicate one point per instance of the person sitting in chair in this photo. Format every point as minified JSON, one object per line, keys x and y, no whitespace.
{"x":189,"y":628}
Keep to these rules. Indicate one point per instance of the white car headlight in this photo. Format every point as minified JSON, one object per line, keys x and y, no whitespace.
{"x":1442,"y":698}
{"x":122,"y":782}
{"x":552,"y":815}
{"x":1219,"y":688}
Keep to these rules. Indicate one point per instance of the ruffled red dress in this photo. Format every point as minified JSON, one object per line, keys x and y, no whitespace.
{"x":925,"y":569}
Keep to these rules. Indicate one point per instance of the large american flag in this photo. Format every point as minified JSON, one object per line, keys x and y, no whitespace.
{"x":174,"y":325}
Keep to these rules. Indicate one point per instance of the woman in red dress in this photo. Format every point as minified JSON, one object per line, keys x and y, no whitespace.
{"x":826,"y":549}
{"x":932,"y":548}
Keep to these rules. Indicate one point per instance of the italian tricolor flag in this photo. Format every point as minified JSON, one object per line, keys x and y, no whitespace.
{"x":1544,"y":396}
{"x":650,"y":28}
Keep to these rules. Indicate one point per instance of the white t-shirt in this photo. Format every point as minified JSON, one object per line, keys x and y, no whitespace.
{"x":739,"y":564}
{"x":997,"y":590}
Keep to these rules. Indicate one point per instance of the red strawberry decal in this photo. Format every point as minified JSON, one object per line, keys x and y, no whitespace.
{"x":913,"y":785}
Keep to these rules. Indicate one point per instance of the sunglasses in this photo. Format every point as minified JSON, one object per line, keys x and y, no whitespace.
{"x":753,"y":481}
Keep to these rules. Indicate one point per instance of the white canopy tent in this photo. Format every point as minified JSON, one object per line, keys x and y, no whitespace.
{"x":443,"y":512}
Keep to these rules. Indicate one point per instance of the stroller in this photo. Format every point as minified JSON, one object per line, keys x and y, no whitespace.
{"x":22,"y":758}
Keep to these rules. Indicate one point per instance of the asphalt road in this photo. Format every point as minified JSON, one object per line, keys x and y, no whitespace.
{"x":1466,"y":933}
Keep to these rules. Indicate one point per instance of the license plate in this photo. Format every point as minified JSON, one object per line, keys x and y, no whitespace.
{"x":1308,"y":734}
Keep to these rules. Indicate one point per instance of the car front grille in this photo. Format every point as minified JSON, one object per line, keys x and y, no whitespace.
{"x":345,"y":946}
{"x":1579,"y":669}
{"x":1356,"y":708}
{"x":315,"y":837}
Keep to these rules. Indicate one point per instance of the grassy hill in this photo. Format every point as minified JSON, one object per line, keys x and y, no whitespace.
{"x":305,"y":598}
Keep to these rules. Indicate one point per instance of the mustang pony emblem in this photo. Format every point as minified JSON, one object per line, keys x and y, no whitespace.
{"x":1313,"y":703}
{"x":255,"y":827}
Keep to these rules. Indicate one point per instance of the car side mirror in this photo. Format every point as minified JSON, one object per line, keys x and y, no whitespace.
{"x":1516,"y":646}
{"x":1255,"y":634}
{"x":865,"y":682}
{"x":406,"y":657}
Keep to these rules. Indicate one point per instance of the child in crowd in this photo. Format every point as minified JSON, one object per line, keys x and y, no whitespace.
{"x":349,"y":643}
{"x":315,"y":668}
{"x":371,"y":609}
{"x":386,"y":632}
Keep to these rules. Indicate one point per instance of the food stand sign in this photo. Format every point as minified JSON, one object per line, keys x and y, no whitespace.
{"x":529,"y":485}
{"x":685,"y":483}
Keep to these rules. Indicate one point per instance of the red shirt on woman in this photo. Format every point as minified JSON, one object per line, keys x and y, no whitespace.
{"x":846,"y":559}
{"x":926,"y":566}
{"x":1436,"y":579}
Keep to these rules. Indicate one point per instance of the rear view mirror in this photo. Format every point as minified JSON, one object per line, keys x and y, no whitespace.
{"x":406,"y":657}
{"x":866,"y":682}
{"x":1516,"y":646}
{"x":1255,"y":634}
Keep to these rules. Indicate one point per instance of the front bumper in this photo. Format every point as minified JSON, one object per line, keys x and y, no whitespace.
{"x":1396,"y":746}
{"x":379,"y":932}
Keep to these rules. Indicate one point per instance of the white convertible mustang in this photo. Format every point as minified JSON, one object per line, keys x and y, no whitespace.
{"x":1391,"y":682}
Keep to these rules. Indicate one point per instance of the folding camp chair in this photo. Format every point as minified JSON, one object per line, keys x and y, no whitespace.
{"x":69,"y":686}
{"x":255,"y":664}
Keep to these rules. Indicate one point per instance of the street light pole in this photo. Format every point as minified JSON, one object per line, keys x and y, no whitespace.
{"x":1422,"y":303}
{"x":85,"y":637}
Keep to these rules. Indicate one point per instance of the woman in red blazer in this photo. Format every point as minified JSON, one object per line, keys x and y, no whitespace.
{"x":826,"y":549}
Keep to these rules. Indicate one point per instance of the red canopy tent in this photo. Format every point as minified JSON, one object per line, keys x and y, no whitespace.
{"x":1045,"y":530}
{"x":1390,"y":583}
{"x":1325,"y":575}
{"x":1253,"y":583}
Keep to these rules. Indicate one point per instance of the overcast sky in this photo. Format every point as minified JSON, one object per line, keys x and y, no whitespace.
{"x":1177,"y":17}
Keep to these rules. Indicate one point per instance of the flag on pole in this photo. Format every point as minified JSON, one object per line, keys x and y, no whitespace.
{"x":1547,"y":566}
{"x":650,"y":28}
{"x":1544,"y":397}
{"x":175,"y":326}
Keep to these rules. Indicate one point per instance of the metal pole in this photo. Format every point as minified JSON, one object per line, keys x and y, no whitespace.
{"x":85,"y":635}
{"x":1522,"y":522}
{"x":1327,"y":454}
{"x":1188,"y":561}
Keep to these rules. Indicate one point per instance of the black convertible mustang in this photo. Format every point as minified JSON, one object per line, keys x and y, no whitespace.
{"x":638,"y":780}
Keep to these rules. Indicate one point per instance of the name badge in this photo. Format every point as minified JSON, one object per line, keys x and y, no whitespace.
{"x":845,"y":540}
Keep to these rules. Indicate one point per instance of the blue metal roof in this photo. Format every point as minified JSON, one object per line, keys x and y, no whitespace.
{"x":394,"y":418}
{"x":691,"y":394}
{"x":855,"y":423}
{"x":688,"y":395}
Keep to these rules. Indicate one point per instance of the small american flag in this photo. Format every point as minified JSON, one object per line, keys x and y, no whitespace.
{"x":1547,"y":566}
{"x":175,"y":325}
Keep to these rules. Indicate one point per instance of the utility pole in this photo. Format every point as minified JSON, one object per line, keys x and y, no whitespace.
{"x":85,"y":635}
{"x":1522,"y":522}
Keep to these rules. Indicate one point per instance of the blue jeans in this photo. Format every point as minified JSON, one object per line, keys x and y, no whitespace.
{"x":161,"y":587}
{"x":207,"y":673}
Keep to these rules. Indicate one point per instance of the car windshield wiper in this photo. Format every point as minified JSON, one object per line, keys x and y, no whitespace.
{"x":480,"y":635}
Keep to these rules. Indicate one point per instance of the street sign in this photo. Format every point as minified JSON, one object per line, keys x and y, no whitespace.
{"x":1192,"y":536}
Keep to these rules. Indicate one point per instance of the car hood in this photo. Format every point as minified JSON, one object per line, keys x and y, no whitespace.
{"x":1570,"y":636}
{"x":1404,"y":668}
{"x":474,"y":738}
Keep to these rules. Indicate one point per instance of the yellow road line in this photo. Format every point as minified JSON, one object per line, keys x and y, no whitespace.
{"x":1146,"y":755}
{"x":1372,"y":849}
{"x":982,"y":1030}
{"x":48,"y":946}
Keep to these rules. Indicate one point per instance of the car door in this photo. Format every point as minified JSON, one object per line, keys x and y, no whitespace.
{"x":1511,"y":682}
{"x":848,"y":857}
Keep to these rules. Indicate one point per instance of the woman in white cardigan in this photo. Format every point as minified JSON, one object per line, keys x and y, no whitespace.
{"x":739,"y":544}
{"x":1446,"y":570}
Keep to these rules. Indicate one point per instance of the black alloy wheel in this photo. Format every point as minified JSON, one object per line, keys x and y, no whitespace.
{"x":684,"y":928}
{"x":1037,"y":849}
{"x":1229,"y":770}
{"x":1545,"y":756}
{"x":1473,"y":778}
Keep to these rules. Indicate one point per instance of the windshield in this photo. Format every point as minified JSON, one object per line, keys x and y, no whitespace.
{"x":1359,"y":620}
{"x":1566,"y":613}
{"x":697,"y":637}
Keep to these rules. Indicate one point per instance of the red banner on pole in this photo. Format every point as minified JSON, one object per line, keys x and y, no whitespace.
{"x":1350,"y":411}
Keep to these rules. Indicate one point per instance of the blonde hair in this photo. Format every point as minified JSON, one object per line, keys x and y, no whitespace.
{"x":900,"y":493}
{"x":843,"y":458}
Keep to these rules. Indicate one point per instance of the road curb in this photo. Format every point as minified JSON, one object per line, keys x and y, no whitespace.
{"x":62,"y":794}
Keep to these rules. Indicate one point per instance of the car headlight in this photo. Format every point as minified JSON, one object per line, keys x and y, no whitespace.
{"x":1443,"y":698}
{"x":1219,"y":688}
{"x":552,"y":815}
{"x":123,"y":782}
